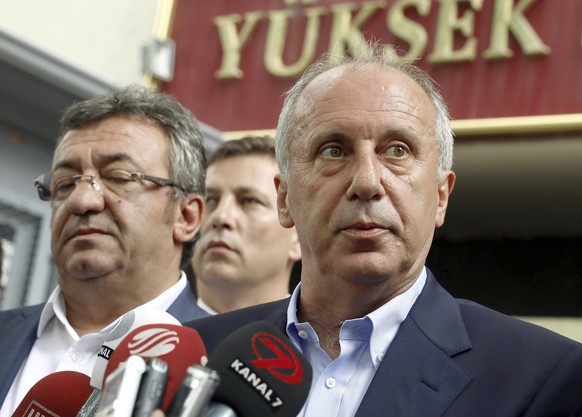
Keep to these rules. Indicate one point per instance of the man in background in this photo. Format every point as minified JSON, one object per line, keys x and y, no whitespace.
{"x":243,"y":257}
{"x":126,"y":190}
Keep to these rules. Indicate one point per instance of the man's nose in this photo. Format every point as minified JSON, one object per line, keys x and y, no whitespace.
{"x":86,"y":196}
{"x":224,"y":215}
{"x":366,"y":177}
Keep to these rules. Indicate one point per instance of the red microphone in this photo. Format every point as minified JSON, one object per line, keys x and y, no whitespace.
{"x":60,"y":394}
{"x":178,"y":346}
{"x":125,"y":325}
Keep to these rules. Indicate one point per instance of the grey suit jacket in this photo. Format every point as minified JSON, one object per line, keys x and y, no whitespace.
{"x":18,"y":329}
{"x":453,"y":358}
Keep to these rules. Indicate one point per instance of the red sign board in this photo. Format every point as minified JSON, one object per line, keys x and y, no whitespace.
{"x":492,"y":58}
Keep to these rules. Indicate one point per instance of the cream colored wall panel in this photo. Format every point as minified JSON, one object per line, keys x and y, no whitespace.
{"x":102,"y":37}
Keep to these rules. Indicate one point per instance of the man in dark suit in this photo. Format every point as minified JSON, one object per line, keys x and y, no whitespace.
{"x":365,"y":152}
{"x":127,"y":194}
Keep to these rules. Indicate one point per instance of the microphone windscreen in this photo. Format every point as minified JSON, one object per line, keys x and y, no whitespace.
{"x":261,"y":372}
{"x":125,"y":324}
{"x":178,"y":346}
{"x":60,"y":394}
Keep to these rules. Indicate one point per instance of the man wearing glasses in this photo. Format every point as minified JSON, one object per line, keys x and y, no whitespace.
{"x":126,"y":190}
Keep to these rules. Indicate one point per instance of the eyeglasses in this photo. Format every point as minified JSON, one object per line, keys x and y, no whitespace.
{"x":119,"y":182}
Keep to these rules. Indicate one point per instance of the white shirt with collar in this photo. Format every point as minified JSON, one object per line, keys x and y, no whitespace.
{"x":59,"y":348}
{"x":339,"y":385}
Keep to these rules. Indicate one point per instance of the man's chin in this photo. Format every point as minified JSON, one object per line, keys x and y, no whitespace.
{"x":86,"y":268}
{"x":221,"y":273}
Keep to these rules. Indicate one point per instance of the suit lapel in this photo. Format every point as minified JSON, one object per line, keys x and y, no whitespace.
{"x":417,"y":377}
{"x":19,"y":334}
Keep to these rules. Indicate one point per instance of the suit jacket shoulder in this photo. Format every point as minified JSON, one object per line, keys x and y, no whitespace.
{"x":456,"y":358}
{"x":185,"y":307}
{"x":18,"y":329}
{"x":216,"y":328}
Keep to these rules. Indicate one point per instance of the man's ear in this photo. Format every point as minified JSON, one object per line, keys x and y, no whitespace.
{"x":282,"y":203}
{"x":189,"y":218}
{"x":445,"y":189}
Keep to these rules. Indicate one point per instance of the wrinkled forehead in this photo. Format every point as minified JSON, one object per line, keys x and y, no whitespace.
{"x":351,"y":94}
{"x":110,"y":140}
{"x":361,"y":82}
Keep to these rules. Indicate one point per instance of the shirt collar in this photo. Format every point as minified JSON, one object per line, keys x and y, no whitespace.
{"x":56,"y":307}
{"x":206,"y":307}
{"x":385,"y":320}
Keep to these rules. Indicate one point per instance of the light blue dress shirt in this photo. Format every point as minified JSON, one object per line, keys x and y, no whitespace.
{"x":339,"y":385}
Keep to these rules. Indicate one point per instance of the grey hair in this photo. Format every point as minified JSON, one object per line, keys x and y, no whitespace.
{"x":186,"y":158}
{"x":367,"y":57}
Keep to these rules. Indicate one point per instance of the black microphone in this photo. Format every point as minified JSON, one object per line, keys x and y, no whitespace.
{"x":261,"y":374}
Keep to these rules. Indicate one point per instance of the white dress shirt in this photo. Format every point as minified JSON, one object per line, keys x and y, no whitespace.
{"x":59,"y":348}
{"x":339,"y":385}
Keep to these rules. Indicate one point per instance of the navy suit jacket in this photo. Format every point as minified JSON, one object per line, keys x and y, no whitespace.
{"x":453,"y":358}
{"x":18,"y":332}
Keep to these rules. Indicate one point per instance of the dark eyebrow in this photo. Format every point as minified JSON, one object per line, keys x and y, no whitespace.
{"x":401,"y":133}
{"x":116,"y":157}
{"x":66,"y":164}
{"x":102,"y":161}
{"x":238,"y":190}
{"x":248,"y":189}
{"x":212,"y":190}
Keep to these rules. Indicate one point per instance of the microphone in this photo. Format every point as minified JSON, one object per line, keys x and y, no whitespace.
{"x":152,"y":388}
{"x":119,"y":394}
{"x":261,"y":374}
{"x":218,"y":410}
{"x":195,"y":392}
{"x":59,"y":394}
{"x":125,"y":325}
{"x":178,"y":346}
{"x":89,"y":408}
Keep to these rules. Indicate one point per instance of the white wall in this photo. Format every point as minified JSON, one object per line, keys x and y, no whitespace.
{"x":102,"y":37}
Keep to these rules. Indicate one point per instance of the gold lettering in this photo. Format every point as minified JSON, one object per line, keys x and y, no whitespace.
{"x":345,"y":32}
{"x":448,"y":22}
{"x":232,"y":43}
{"x":275,"y":47}
{"x":409,"y":31}
{"x":506,"y":19}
